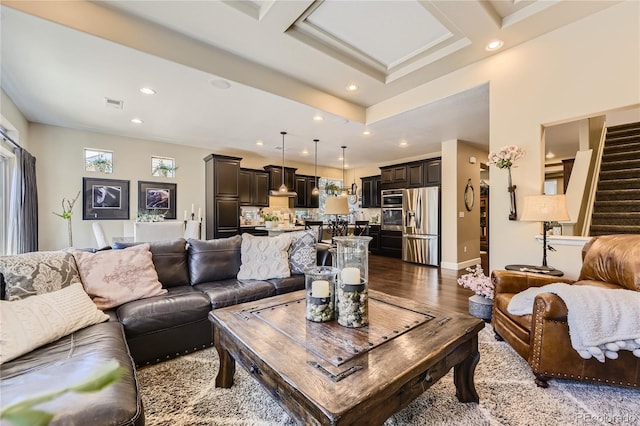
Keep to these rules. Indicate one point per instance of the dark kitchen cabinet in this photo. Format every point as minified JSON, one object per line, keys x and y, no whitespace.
{"x":391,"y":243}
{"x":222,"y":196}
{"x":394,"y":176}
{"x":374,"y":244}
{"x":275,"y":177}
{"x":415,"y":173}
{"x":371,"y":191}
{"x":304,"y":189}
{"x":313,"y":201}
{"x":433,"y":172}
{"x":254,"y":188}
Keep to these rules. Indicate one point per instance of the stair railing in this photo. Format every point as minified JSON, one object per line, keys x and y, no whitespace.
{"x":586,"y":226}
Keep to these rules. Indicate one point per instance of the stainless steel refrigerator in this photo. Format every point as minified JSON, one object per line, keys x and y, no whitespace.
{"x":421,"y":225}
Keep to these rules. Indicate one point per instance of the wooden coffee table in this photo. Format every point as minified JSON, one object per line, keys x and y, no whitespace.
{"x":323,"y":373}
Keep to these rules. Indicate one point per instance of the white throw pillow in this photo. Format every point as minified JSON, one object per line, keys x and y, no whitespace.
{"x":28,"y":323}
{"x":264,"y":257}
{"x":114,"y":277}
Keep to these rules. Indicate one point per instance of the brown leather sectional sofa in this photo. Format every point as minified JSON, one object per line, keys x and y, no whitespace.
{"x":542,"y":338}
{"x":199,"y":277}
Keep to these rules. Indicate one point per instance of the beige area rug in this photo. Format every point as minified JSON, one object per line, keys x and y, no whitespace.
{"x":182,"y":392}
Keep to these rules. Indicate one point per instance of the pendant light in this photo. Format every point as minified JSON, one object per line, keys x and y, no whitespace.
{"x":343,"y":193}
{"x":316,"y":191}
{"x":283,"y":191}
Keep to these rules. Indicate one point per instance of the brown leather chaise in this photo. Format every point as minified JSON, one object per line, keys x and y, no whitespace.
{"x":542,"y":338}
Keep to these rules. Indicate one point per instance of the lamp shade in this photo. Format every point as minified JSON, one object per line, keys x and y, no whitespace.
{"x":545,"y":208}
{"x":336,"y":205}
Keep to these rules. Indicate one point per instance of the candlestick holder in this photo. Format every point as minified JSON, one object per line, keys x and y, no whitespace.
{"x":352,"y":261}
{"x":320,"y":284}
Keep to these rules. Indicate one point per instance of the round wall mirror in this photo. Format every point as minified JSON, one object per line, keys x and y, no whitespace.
{"x":469,"y":196}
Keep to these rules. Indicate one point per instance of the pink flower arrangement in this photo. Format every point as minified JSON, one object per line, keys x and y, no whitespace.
{"x":506,"y":157}
{"x":477,"y":281}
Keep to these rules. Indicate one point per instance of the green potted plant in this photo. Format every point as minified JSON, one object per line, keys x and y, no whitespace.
{"x":101,"y":164}
{"x":163,"y":169}
{"x":269,"y":218}
{"x":332,"y":189}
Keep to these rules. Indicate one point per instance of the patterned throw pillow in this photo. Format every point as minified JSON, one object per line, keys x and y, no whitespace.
{"x":302,"y":254}
{"x":264,"y":257}
{"x":36,"y":321}
{"x":114,"y":277}
{"x":39,"y":272}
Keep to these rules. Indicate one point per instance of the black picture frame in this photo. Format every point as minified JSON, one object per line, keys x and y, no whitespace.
{"x":105,"y":199}
{"x":157,"y":197}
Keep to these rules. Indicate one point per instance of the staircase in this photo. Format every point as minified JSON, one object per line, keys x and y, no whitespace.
{"x":617,"y":204}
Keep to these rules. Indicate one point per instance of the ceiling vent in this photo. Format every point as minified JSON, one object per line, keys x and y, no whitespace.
{"x":113,"y":103}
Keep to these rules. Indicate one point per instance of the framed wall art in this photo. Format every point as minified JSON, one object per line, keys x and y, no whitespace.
{"x":157,"y":198}
{"x":105,"y":199}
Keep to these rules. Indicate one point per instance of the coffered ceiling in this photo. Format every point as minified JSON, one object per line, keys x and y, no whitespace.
{"x":231,"y":73}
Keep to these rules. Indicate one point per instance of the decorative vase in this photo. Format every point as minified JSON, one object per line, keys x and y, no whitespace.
{"x":480,"y":307}
{"x":513,"y":212}
{"x":352,"y":261}
{"x":320,"y":283}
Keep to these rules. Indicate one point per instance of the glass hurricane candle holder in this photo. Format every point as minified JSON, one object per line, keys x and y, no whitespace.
{"x":320,"y":283}
{"x":352,"y":261}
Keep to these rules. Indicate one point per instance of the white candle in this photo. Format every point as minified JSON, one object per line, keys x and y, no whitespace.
{"x":350,"y":276}
{"x":199,"y":213}
{"x":320,"y":288}
{"x":185,"y":215}
{"x":191,"y":208}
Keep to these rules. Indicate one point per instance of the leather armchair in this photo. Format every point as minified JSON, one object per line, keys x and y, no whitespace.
{"x":542,"y":338}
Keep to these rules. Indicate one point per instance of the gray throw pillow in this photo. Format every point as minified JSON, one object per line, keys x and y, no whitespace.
{"x":302,"y":253}
{"x":38,"y":272}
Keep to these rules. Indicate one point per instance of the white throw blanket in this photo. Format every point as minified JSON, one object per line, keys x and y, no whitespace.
{"x":601,"y":321}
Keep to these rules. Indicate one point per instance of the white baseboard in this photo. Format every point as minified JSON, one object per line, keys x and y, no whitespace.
{"x":458,"y":266}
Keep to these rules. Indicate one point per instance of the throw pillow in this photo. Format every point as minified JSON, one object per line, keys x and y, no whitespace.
{"x":302,"y":254}
{"x":264,"y":257}
{"x":214,"y":260}
{"x":115,"y":277}
{"x":35,"y":321}
{"x":39,"y":272}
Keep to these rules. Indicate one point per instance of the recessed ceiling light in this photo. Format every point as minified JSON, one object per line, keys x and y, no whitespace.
{"x":220,"y":84}
{"x":550,"y":155}
{"x":136,"y":121}
{"x":403,"y":144}
{"x":305,"y":152}
{"x":494,"y":45}
{"x":259,"y":142}
{"x":317,"y":117}
{"x":352,"y":87}
{"x":366,"y":132}
{"x":147,"y":91}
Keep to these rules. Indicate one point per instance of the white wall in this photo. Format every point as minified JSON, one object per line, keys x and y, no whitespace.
{"x":12,"y":119}
{"x":59,"y":155}
{"x":579,"y":70}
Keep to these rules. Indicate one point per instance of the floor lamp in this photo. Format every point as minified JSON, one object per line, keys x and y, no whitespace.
{"x":545,"y":209}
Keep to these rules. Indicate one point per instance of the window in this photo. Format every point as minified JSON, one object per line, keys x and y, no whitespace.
{"x":96,"y":160}
{"x":331,"y":185}
{"x":7,"y":162}
{"x":163,"y":166}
